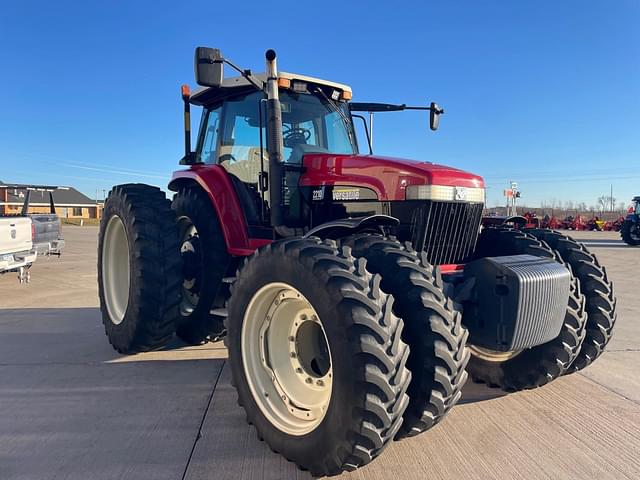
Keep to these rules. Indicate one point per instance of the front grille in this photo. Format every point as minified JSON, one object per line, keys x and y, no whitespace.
{"x":446,"y":231}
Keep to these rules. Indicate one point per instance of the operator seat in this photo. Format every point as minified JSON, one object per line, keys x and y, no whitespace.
{"x":244,"y":174}
{"x":248,"y":169}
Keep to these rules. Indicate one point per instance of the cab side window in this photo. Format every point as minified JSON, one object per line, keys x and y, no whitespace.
{"x":209,"y":145}
{"x":239,"y":150}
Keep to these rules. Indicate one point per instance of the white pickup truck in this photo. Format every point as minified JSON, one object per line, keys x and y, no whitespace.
{"x":16,"y":246}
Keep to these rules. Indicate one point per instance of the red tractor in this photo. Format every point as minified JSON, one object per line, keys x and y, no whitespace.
{"x":550,"y":222}
{"x":574,"y":223}
{"x":532,"y":220}
{"x":355,"y":292}
{"x":616,"y":225}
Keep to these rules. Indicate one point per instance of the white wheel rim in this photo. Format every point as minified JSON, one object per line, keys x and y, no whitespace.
{"x":115,"y":269}
{"x":286,"y":359}
{"x":189,"y":298}
{"x":493,"y":355}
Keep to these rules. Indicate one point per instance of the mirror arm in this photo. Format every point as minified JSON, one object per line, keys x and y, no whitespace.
{"x":439,"y":112}
{"x":246,"y":74}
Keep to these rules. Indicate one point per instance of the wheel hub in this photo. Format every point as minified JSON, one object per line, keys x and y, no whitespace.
{"x":493,"y":355}
{"x":190,"y":260}
{"x":287,"y":359}
{"x":116,"y":269}
{"x":192,"y":264}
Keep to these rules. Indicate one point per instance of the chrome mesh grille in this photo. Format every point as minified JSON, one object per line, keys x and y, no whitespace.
{"x":446,"y":231}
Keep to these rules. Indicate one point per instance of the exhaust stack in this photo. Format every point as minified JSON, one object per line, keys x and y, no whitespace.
{"x":275,"y":146}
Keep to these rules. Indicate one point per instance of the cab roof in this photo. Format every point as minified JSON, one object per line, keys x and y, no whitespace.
{"x":236,"y":85}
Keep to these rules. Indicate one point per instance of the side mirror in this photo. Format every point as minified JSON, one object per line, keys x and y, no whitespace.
{"x":209,"y":67}
{"x":434,"y":116}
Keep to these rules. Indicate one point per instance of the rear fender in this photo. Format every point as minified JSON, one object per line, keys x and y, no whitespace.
{"x":215,"y":181}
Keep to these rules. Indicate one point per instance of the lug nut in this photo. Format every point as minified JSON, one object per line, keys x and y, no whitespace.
{"x":291,"y":338}
{"x":320,"y":383}
{"x":303,"y":317}
{"x":293,"y":354}
{"x":308,"y":380}
{"x":298,"y":370}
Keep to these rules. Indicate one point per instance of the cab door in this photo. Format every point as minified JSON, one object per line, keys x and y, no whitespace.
{"x":232,"y":139}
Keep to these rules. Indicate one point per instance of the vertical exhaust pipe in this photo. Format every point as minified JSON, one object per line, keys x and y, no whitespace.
{"x":274,"y":141}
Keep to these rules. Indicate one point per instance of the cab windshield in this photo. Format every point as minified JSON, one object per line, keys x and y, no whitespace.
{"x":230,"y":132}
{"x":314,"y":123}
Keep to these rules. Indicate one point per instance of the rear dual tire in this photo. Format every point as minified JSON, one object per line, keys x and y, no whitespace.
{"x":138,"y":268}
{"x":367,"y":359}
{"x":205,"y":260}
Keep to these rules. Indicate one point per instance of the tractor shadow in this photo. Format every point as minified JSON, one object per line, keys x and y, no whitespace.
{"x":474,"y":392}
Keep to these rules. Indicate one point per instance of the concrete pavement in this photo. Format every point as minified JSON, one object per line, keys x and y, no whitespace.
{"x":71,"y":407}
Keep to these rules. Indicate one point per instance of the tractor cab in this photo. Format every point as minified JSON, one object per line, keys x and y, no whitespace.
{"x":233,"y":134}
{"x":287,"y":144}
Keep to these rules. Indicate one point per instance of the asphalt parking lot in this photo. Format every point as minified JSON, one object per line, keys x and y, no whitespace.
{"x":72,"y":408}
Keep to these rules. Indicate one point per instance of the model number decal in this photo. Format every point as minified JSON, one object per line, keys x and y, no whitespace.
{"x":318,"y":194}
{"x":346,"y":194}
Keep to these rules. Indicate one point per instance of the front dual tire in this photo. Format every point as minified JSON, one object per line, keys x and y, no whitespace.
{"x":539,"y":365}
{"x":589,"y":319}
{"x":316,"y":355}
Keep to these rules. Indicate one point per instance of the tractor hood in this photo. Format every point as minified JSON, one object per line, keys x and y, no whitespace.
{"x":389,"y":177}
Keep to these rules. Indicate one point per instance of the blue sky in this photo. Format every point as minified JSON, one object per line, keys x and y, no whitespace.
{"x":546,"y":93}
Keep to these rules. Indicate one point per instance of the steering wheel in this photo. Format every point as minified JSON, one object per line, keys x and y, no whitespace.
{"x":227,"y":157}
{"x":295,"y":136}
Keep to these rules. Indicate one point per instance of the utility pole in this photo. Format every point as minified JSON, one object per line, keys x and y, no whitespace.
{"x":611,"y":197}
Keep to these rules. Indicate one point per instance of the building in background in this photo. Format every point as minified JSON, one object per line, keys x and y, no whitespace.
{"x":69,"y":202}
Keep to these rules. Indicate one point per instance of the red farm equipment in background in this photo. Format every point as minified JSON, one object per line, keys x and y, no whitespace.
{"x":574,"y":223}
{"x":550,"y":222}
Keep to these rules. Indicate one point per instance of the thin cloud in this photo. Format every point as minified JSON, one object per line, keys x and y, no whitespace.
{"x":116,"y":172}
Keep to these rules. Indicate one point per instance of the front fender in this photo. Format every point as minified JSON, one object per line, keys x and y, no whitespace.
{"x":349,"y":226}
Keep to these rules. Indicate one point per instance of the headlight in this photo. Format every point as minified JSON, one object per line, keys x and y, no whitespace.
{"x":445,"y":193}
